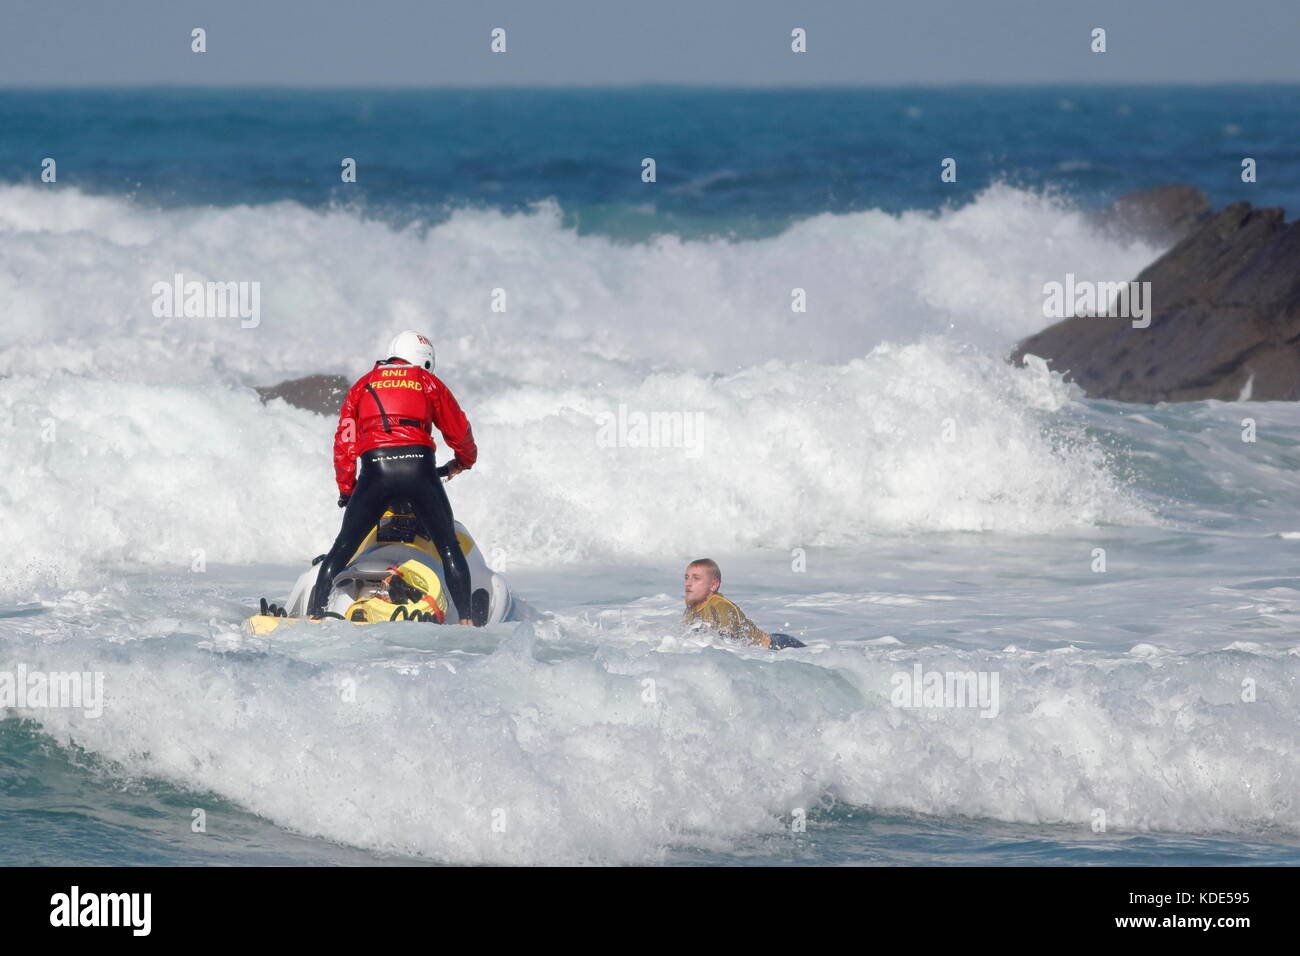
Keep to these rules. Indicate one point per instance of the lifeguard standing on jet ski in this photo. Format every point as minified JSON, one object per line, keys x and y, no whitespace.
{"x":387,"y":420}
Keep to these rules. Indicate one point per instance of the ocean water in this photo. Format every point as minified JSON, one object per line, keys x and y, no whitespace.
{"x":871,"y":474}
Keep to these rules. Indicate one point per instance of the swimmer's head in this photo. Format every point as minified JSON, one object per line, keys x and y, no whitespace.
{"x":703,"y":578}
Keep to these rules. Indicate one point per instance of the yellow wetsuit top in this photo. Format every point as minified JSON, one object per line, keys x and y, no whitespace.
{"x":718,"y":613}
{"x":419,"y":578}
{"x":377,"y":609}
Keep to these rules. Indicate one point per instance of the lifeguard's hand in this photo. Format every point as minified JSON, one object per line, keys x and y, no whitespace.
{"x":343,"y":500}
{"x":454,"y":468}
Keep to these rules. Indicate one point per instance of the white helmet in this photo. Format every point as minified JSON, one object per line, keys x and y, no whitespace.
{"x":413,"y":347}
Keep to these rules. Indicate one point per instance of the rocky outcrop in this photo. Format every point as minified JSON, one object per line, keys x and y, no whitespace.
{"x":1224,"y":322}
{"x":1160,"y":216}
{"x":316,"y":393}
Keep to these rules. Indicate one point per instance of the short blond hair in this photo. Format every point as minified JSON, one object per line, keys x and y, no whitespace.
{"x":709,"y":565}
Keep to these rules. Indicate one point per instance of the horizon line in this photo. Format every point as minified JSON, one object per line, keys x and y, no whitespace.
{"x":640,"y":85}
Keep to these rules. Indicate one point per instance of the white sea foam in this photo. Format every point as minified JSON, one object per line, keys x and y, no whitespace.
{"x":884,"y":412}
{"x":920,"y":438}
{"x":871,"y":413}
{"x":590,"y":745}
{"x":76,"y":273}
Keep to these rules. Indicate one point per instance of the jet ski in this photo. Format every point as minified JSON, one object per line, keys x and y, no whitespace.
{"x":396,"y":540}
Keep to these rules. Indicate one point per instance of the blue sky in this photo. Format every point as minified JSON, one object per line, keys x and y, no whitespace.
{"x":603,"y":42}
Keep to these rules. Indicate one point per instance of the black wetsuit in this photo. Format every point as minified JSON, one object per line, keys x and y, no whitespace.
{"x":403,"y":472}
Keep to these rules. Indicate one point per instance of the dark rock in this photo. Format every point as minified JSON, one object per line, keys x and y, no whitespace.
{"x":1160,"y":216}
{"x":316,"y":393}
{"x":1225,"y":314}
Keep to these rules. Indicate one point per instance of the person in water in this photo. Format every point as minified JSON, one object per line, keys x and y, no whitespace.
{"x":705,"y":606}
{"x":387,"y":421}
